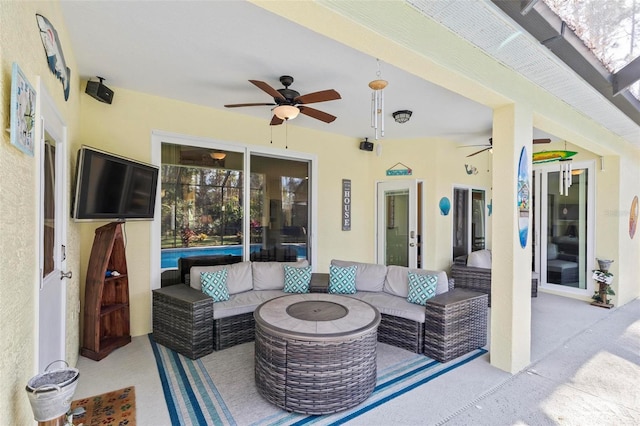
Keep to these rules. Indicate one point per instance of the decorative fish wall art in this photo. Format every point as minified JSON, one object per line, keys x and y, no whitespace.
{"x":55,"y":57}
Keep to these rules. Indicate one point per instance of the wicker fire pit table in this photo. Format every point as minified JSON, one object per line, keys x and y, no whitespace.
{"x":316,"y":353}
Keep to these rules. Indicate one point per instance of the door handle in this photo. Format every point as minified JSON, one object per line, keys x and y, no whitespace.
{"x":64,"y":275}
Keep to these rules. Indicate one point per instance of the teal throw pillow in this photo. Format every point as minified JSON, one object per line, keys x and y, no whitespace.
{"x":214,"y":284}
{"x":422,"y":287}
{"x":342,"y":280}
{"x":296,"y":280}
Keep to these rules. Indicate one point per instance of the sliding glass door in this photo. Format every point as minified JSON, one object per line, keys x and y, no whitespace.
{"x":563,"y":206}
{"x":279,"y":208}
{"x":225,"y":201}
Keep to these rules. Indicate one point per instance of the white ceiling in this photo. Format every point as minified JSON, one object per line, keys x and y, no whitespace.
{"x":204,"y":52}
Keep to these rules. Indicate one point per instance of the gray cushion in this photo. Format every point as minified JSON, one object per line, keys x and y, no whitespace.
{"x":238,"y":276}
{"x":369,"y":276}
{"x":242,"y":303}
{"x":392,"y":305}
{"x":270,"y":275}
{"x":397,"y":280}
{"x":558,"y":265}
{"x":480,"y":259}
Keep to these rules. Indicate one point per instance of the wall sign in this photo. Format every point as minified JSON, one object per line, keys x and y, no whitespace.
{"x":346,"y":204}
{"x":393,"y":171}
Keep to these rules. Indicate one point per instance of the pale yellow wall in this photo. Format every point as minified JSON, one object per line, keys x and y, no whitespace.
{"x":125,"y":127}
{"x":19,"y":277}
{"x":439,"y":163}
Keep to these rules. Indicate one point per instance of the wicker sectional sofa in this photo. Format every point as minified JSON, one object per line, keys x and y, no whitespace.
{"x":188,"y":321}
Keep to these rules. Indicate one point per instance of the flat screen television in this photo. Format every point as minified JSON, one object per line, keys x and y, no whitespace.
{"x":113,"y":188}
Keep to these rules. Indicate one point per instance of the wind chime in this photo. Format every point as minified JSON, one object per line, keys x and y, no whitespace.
{"x":377,"y":103}
{"x":566,"y":176}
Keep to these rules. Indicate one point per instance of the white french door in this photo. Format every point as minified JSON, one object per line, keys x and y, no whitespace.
{"x":53,"y":216}
{"x":399,"y":223}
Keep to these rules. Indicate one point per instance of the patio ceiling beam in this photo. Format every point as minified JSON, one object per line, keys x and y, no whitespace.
{"x":626,"y":76}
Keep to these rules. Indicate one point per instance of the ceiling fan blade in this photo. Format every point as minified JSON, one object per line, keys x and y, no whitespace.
{"x":478,"y":152}
{"x":541,"y":140}
{"x":317,"y":114}
{"x":268,"y":89}
{"x":468,"y":146}
{"x":276,"y":121}
{"x":246,"y":105}
{"x":322,"y":96}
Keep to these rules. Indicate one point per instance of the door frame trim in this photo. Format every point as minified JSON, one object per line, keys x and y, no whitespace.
{"x":47,"y":112}
{"x":540,"y":250}
{"x":420,"y":221}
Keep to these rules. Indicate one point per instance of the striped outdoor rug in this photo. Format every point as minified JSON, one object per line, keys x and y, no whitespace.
{"x":219,"y":389}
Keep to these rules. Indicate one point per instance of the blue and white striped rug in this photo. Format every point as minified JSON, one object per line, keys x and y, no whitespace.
{"x":219,"y":389}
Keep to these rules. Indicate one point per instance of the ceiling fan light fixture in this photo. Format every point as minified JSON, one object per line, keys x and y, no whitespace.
{"x":286,"y":112}
{"x":402,"y":116}
{"x":218,"y":155}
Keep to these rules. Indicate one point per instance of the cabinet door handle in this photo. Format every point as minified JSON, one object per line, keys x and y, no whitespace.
{"x":64,"y":275}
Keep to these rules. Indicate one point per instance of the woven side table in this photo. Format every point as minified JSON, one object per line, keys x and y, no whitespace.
{"x":183,"y":320}
{"x":319,"y":283}
{"x":455,"y":324}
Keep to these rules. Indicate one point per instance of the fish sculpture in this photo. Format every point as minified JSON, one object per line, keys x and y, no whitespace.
{"x":55,"y":57}
{"x":547,"y":156}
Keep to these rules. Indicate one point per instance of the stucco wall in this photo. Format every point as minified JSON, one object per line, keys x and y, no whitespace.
{"x":19,"y":203}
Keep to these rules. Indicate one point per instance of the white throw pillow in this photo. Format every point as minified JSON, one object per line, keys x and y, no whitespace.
{"x":480,"y":259}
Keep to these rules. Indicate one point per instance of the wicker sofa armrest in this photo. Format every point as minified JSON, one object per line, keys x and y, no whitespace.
{"x":183,"y":320}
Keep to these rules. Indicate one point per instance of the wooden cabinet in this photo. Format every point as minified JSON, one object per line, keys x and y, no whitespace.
{"x":106,"y":298}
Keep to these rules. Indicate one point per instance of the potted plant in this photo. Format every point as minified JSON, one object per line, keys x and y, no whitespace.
{"x":604,"y":278}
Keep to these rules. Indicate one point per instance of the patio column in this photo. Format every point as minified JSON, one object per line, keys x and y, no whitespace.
{"x":510,"y":348}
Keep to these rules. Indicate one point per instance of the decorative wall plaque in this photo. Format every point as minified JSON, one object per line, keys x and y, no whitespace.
{"x":346,"y":204}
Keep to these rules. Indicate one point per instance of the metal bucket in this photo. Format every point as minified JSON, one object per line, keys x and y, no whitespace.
{"x":604,"y":264}
{"x":50,"y":393}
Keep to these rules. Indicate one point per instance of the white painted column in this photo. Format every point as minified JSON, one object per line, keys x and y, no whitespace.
{"x":511,"y":265}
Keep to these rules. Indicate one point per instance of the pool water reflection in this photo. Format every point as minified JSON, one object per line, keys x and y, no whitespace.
{"x":169,"y":259}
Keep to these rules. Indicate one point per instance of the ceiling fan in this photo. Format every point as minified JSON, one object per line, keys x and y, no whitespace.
{"x":289,"y":103}
{"x":488,"y":147}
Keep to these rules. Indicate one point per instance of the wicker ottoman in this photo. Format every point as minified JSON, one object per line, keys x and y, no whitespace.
{"x":455,"y":324}
{"x":183,"y":320}
{"x":316,"y":353}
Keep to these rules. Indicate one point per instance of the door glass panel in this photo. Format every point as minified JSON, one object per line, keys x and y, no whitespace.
{"x":279,"y":209}
{"x":477,"y":220}
{"x":201,"y":209}
{"x":460,"y":222}
{"x":49,"y":205}
{"x":397,"y":227}
{"x":567,"y":230}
